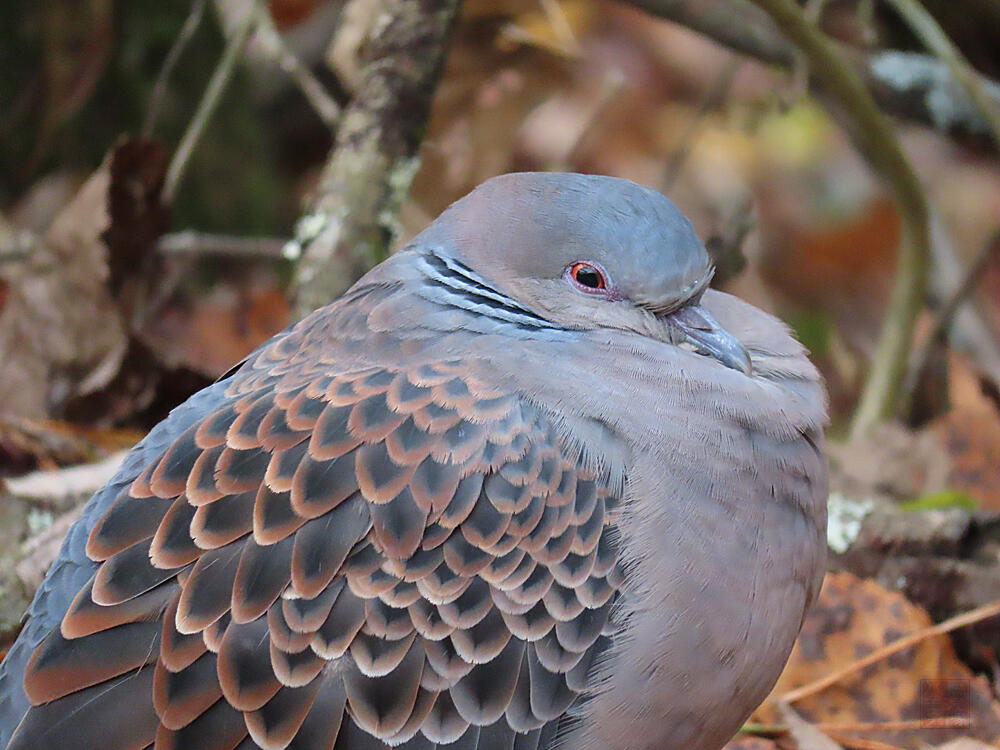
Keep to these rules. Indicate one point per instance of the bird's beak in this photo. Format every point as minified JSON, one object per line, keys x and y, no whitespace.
{"x":694,"y":326}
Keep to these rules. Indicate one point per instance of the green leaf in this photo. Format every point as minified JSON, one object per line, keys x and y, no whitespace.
{"x":938,"y":500}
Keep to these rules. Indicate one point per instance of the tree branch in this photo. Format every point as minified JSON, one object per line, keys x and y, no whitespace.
{"x":930,"y":33}
{"x":193,"y":244}
{"x":209,"y":101}
{"x":911,"y":86}
{"x":736,"y":24}
{"x":874,"y":138}
{"x":159,"y":94}
{"x":351,"y":220}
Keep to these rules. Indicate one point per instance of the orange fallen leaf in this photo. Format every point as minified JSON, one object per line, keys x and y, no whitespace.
{"x":854,"y":618}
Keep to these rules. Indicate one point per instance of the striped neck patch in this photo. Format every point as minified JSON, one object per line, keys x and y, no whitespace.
{"x":451,"y":282}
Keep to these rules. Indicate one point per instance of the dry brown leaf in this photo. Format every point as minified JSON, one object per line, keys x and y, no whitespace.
{"x":851,"y":619}
{"x":208,"y":334}
{"x":970,"y":435}
{"x":966,"y":743}
{"x":55,"y":486}
{"x":59,"y":316}
{"x":745,"y":742}
{"x":972,"y":441}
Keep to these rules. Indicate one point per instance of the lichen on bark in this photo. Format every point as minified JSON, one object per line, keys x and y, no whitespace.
{"x":351,"y":221}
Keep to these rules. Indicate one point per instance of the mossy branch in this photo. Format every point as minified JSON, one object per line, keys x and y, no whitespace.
{"x":873,"y":136}
{"x":933,"y":37}
{"x":909,"y":85}
{"x":351,"y":221}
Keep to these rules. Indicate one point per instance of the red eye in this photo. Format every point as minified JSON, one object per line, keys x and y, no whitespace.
{"x":588,"y":276}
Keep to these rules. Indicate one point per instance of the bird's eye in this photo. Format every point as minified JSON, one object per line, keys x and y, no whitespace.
{"x":588,"y":277}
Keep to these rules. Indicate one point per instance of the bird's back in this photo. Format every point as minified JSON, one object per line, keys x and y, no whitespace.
{"x":331,"y":543}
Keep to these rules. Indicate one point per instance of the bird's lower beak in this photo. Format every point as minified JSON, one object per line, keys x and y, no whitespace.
{"x":696,"y":327}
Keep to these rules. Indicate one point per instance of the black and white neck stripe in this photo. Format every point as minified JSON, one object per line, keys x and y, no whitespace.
{"x":451,"y":282}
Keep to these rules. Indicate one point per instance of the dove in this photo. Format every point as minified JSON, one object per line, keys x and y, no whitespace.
{"x":529,"y":484}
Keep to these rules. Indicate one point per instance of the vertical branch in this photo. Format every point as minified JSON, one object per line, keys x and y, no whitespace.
{"x":209,"y":101}
{"x":873,"y":136}
{"x":159,"y":94}
{"x":352,"y":219}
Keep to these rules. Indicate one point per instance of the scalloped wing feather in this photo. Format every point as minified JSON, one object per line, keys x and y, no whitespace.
{"x":388,"y":557}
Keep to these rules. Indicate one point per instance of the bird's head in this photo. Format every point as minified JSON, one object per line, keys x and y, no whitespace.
{"x":581,"y":252}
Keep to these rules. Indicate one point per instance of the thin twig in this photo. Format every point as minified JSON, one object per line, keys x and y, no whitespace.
{"x":612,"y":87}
{"x":713,"y":97}
{"x":209,"y":101}
{"x":954,"y":623}
{"x":159,"y":94}
{"x":314,"y":91}
{"x":725,"y":245}
{"x":190,"y":242}
{"x":904,"y":725}
{"x":933,"y":37}
{"x":735,"y":24}
{"x":946,"y":313}
{"x":759,"y":729}
{"x":865,"y":19}
{"x":813,"y":13}
{"x":856,"y":743}
{"x":873,"y":136}
{"x":835,"y":730}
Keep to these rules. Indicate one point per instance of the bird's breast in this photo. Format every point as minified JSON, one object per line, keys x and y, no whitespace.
{"x":721,"y":561}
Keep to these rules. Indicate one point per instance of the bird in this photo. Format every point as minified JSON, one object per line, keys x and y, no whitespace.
{"x":529,"y":484}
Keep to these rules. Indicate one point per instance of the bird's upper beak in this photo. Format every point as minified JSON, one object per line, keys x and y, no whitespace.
{"x":692,"y":324}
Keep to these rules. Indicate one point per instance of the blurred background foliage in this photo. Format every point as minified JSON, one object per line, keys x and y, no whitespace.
{"x":797,"y":220}
{"x":117,"y":302}
{"x":77,"y":75}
